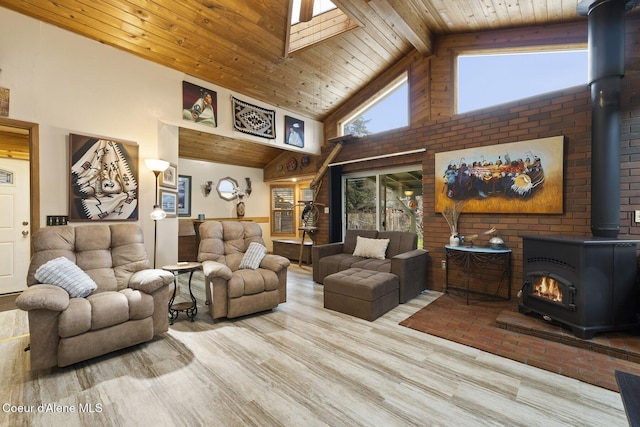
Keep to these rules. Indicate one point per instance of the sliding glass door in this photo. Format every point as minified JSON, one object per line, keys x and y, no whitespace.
{"x":384,"y":200}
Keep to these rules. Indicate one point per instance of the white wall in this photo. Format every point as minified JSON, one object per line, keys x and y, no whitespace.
{"x":213,"y":206}
{"x":69,"y":84}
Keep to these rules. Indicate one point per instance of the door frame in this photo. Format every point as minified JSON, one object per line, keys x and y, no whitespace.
{"x":34,"y":167}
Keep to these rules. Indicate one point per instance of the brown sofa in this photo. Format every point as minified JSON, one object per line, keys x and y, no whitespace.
{"x":128,"y":307}
{"x":231,"y":291}
{"x":402,"y":259}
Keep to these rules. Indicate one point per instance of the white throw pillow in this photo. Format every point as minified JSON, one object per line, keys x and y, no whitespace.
{"x":64,"y":273}
{"x":253,"y":256}
{"x":371,"y":248}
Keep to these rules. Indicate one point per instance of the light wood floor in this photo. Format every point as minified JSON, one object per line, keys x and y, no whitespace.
{"x":298,"y":365}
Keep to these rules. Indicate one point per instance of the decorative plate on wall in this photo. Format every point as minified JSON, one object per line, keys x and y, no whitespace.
{"x":292,"y":164}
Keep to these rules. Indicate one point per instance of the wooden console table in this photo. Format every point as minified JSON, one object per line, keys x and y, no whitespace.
{"x":290,"y":248}
{"x":471,"y":258}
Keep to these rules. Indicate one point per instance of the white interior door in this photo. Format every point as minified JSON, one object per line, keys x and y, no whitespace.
{"x":15,"y":240}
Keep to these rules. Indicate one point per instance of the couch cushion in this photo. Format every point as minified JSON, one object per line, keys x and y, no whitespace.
{"x":351,"y":236}
{"x":140,"y":304}
{"x":399,"y":242}
{"x":383,"y":265}
{"x":249,"y":282}
{"x":371,"y":248}
{"x":254,"y":255}
{"x":334,"y":263}
{"x":76,"y":319}
{"x":64,"y":273}
{"x":108,"y":309}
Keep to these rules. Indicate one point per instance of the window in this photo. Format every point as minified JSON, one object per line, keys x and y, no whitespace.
{"x":328,"y":21}
{"x":489,"y":79}
{"x":384,"y":200}
{"x":319,"y":7}
{"x":388,"y":110}
{"x":283,"y":210}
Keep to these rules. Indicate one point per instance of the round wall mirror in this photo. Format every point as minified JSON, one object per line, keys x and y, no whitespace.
{"x":226,"y":187}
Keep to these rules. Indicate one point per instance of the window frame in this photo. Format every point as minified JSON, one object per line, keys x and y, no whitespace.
{"x":376,"y":99}
{"x":273,"y":210}
{"x":502,"y":51}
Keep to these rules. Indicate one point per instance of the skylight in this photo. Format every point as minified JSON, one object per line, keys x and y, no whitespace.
{"x":328,"y":21}
{"x":319,"y":7}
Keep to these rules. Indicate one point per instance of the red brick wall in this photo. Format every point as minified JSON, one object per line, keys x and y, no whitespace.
{"x":566,"y":113}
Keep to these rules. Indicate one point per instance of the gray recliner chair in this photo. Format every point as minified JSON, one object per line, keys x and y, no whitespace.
{"x":126,"y":302}
{"x":233,"y":291}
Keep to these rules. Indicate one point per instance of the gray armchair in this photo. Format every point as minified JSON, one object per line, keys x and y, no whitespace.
{"x":128,"y":307}
{"x":232,"y":291}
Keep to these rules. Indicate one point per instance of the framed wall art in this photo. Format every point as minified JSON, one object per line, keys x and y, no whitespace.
{"x":169,"y":178}
{"x":103,"y":182}
{"x":169,"y":202}
{"x":252,"y":119}
{"x":518,"y":177}
{"x":199,"y":105}
{"x":184,"y":195}
{"x":294,"y":132}
{"x":5,"y":95}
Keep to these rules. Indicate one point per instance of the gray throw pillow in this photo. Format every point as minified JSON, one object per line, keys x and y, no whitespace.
{"x":64,"y":273}
{"x":253,"y":256}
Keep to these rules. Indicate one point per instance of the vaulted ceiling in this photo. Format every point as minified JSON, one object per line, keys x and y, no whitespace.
{"x":241,"y":44}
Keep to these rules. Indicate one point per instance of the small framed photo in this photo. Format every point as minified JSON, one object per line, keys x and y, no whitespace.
{"x":294,"y":132}
{"x":184,"y":195}
{"x":169,"y":202}
{"x":169,"y":178}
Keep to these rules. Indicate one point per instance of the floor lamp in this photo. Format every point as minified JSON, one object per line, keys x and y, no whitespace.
{"x":157,"y":214}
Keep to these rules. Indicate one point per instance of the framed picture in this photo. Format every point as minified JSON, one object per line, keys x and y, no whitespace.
{"x":169,"y":202}
{"x":169,"y":178}
{"x":103,"y":180}
{"x":199,"y":105}
{"x":5,"y":95}
{"x":517,"y":177}
{"x":294,"y":132}
{"x":184,"y":195}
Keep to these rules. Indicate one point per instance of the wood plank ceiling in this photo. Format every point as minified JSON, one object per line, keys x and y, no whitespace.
{"x":240,"y":45}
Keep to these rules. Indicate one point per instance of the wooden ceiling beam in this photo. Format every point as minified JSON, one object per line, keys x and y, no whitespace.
{"x":407,"y":22}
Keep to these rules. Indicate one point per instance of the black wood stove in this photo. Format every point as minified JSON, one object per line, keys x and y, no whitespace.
{"x":588,"y":284}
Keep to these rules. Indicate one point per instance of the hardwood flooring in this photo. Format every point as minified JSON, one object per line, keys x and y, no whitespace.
{"x":297,"y":365}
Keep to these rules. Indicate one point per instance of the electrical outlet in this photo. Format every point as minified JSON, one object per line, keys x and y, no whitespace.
{"x":637,"y":216}
{"x":443,"y":264}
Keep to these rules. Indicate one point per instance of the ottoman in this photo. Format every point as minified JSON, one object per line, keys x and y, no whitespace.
{"x":366,"y":294}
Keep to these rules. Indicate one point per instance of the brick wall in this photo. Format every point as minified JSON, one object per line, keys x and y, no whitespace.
{"x":566,"y":113}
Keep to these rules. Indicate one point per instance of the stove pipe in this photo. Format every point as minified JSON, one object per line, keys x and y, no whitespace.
{"x":606,"y":69}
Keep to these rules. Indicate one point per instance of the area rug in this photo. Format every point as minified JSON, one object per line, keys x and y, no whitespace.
{"x":498,"y":328}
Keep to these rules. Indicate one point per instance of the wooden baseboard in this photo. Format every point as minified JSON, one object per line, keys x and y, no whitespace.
{"x":8,"y":301}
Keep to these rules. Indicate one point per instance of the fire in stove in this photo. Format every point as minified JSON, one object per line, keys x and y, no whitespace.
{"x":548,"y":288}
{"x":585,"y":283}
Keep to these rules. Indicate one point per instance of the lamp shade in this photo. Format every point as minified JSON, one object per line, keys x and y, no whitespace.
{"x":157,"y":165}
{"x":157,"y":213}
